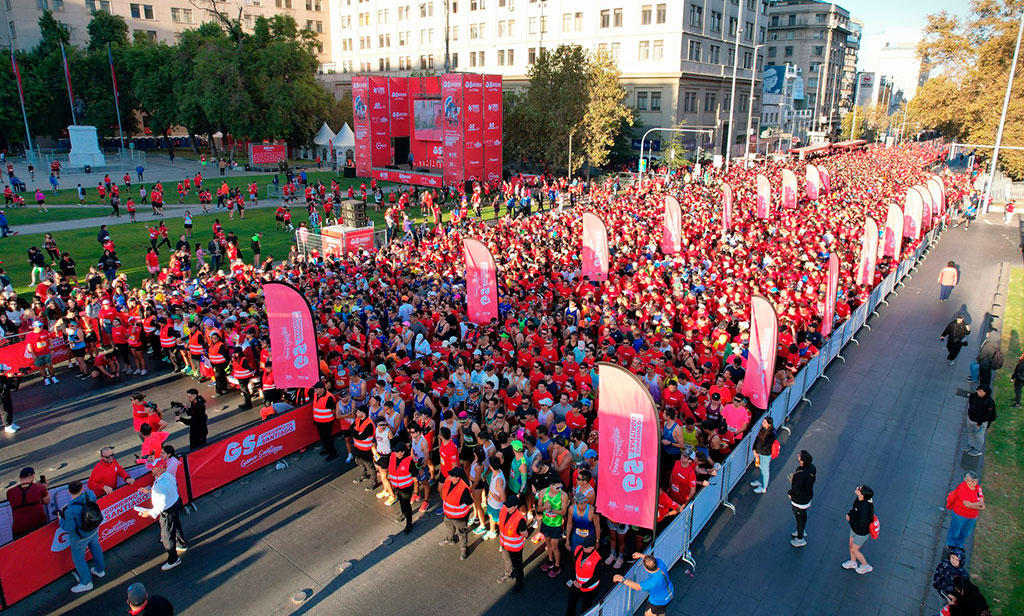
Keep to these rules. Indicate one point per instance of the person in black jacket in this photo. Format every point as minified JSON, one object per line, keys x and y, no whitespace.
{"x":763,"y":451}
{"x":967,"y":599}
{"x":1018,"y":381}
{"x":981,"y":412}
{"x":194,"y":416}
{"x":141,"y":603}
{"x":860,"y":517}
{"x":801,"y":491}
{"x":955,"y":336}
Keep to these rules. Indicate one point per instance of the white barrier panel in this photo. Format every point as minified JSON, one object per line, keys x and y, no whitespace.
{"x":673,"y":542}
{"x":813,"y":370}
{"x":796,"y":390}
{"x":876,"y":297}
{"x":706,"y":503}
{"x":779,"y":407}
{"x":847,"y":332}
{"x":888,"y":285}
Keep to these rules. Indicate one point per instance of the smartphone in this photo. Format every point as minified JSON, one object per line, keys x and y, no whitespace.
{"x":42,"y":479}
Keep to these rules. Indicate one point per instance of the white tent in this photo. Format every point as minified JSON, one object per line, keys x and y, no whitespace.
{"x":344,"y":144}
{"x":325,"y":136}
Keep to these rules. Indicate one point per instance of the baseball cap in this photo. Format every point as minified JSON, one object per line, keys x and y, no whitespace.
{"x":37,"y":324}
{"x":463,"y":415}
{"x":517,"y":445}
{"x":137,"y":594}
{"x":28,"y":471}
{"x":591,"y":454}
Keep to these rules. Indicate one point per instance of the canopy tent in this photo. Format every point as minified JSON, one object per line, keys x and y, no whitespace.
{"x":344,"y":144}
{"x":325,"y":136}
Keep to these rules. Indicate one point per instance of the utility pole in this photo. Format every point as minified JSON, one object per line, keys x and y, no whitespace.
{"x":856,"y":89}
{"x":753,"y":69}
{"x":1002,"y":118}
{"x":732,"y":96}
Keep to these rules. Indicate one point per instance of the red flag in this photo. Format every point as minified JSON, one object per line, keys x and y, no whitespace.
{"x":672,"y":232}
{"x":826,"y":180}
{"x":813,"y":182}
{"x":893,"y":231}
{"x":761,"y":352}
{"x":113,"y":75}
{"x":595,"y":248}
{"x":912,"y":214}
{"x":726,"y":208}
{"x":788,"y":189}
{"x":481,"y":282}
{"x":764,"y":197}
{"x":868,"y":253}
{"x":628,"y":442}
{"x":293,"y":347}
{"x":926,"y":207}
{"x":832,"y":289}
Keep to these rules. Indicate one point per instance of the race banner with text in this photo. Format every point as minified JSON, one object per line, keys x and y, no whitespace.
{"x":938,"y":200}
{"x":912,"y":214}
{"x":628,"y":442}
{"x":398,"y":106}
{"x":762,"y":351}
{"x":380,"y":122}
{"x":361,"y":124}
{"x":481,"y":283}
{"x":831,"y":290}
{"x":473,"y":148}
{"x":492,"y":128}
{"x":726,"y":208}
{"x":595,"y":248}
{"x":893,"y":239}
{"x":813,"y":183}
{"x":764,"y":197}
{"x":826,"y":180}
{"x":788,"y":189}
{"x":454,"y":135}
{"x":293,"y":345}
{"x":926,"y":207}
{"x":868,"y":253}
{"x":672,"y":230}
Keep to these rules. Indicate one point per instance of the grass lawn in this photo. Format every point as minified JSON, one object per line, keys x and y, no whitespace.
{"x":30,"y":215}
{"x":998,"y":560}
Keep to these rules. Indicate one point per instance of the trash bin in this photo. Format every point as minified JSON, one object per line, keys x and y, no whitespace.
{"x":88,"y":168}
{"x":248,"y":167}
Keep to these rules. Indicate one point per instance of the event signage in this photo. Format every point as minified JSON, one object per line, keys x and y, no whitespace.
{"x":813,"y":184}
{"x":473,"y":146}
{"x":764,"y":197}
{"x":868,"y":253}
{"x":893,"y":232}
{"x":361,"y":124}
{"x":452,"y":86}
{"x":628,"y":442}
{"x":912,"y":214}
{"x":926,"y":208}
{"x":826,"y":180}
{"x":267,"y":153}
{"x":788,"y":189}
{"x":831,"y":291}
{"x":595,"y":248}
{"x":481,"y":282}
{"x":726,"y":208}
{"x":293,"y":345}
{"x":672,"y":230}
{"x":763,"y":347}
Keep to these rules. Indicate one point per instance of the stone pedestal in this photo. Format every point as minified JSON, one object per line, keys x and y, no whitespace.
{"x":85,"y":147}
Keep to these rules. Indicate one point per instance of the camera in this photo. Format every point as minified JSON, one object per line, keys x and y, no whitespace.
{"x":151,"y":406}
{"x":178,"y":409}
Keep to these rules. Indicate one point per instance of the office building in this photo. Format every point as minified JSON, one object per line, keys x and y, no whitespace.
{"x":894,"y":52}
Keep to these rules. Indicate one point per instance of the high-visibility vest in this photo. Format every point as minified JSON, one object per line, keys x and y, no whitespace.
{"x":195,"y":343}
{"x":451,"y":495}
{"x":322,"y":414}
{"x":586,"y":564}
{"x":268,"y":380}
{"x":147,"y":325}
{"x":399,"y":474}
{"x":239,"y":371}
{"x":166,"y":340}
{"x":217,"y":353}
{"x":508,"y":527}
{"x":363,"y":444}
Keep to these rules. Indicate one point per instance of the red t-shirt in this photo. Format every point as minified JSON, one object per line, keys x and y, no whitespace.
{"x":104,"y":474}
{"x":153,"y":443}
{"x":963,"y":493}
{"x":39,"y":342}
{"x":683,"y":480}
{"x":449,"y":457}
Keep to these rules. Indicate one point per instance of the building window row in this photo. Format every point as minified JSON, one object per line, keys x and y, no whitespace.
{"x":650,"y":50}
{"x":648,"y":101}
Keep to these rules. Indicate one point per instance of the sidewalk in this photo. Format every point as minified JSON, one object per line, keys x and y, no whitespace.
{"x":890,"y":418}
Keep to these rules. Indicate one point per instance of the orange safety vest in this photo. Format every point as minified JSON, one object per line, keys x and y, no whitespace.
{"x":508,"y":526}
{"x":268,"y":380}
{"x":399,"y":474}
{"x":166,"y":340}
{"x":147,"y":325}
{"x":217,"y":353}
{"x":586,"y":564}
{"x":195,"y":344}
{"x":451,"y":495}
{"x":363,"y":444}
{"x":239,"y":371}
{"x":322,"y":414}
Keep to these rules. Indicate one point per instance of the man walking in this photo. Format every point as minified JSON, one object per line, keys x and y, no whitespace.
{"x":1017,"y":378}
{"x":948,"y":278}
{"x":955,"y":335}
{"x":801,"y":491}
{"x":166,"y":506}
{"x":981,"y":412}
{"x":140,"y":602}
{"x":81,"y":520}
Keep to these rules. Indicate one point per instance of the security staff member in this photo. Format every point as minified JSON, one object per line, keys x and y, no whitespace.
{"x":218,"y":355}
{"x":241,"y":369}
{"x":513,"y":530}
{"x":362,"y":438}
{"x":456,"y":502}
{"x":324,"y":409}
{"x":588,"y":578}
{"x":401,"y":469}
{"x":169,"y":344}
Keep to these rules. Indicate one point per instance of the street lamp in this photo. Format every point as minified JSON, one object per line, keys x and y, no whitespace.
{"x":1002,"y":118}
{"x":701,"y":130}
{"x":732,"y":95}
{"x":750,"y":103}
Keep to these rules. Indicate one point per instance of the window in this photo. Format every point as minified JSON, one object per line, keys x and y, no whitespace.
{"x":475,"y":5}
{"x":748,"y":31}
{"x":480,"y":58}
{"x":696,"y":15}
{"x":566,"y":22}
{"x":694,"y":51}
{"x":655,"y":101}
{"x":383,"y":40}
{"x":90,"y":5}
{"x":819,"y":18}
{"x":659,"y":50}
{"x":814,"y":67}
{"x":792,"y":20}
{"x":315,"y":5}
{"x":543,"y":24}
{"x":760,"y":35}
{"x":58,"y":6}
{"x":709,"y":102}
{"x":474,"y":32}
{"x":472,"y":58}
{"x":641,"y":101}
{"x":775,"y":20}
{"x":644,"y":52}
{"x":453,"y":7}
{"x":510,"y":57}
{"x":715,"y":54}
{"x":181,"y":16}
{"x":645,"y":15}
{"x":135,"y":9}
{"x":533,"y":25}
{"x":455,"y":61}
{"x":43,"y":5}
{"x":819,"y":50}
{"x":615,"y":51}
{"x":426,"y":10}
{"x":403,"y":39}
{"x":716,"y":21}
{"x":455,"y":33}
{"x":147,"y":34}
{"x":617,"y":18}
{"x":659,"y":17}
{"x":774,"y":36}
{"x":747,"y":59}
{"x":731,"y":57}
{"x":578,"y":21}
{"x":602,"y":48}
{"x":531,"y":55}
{"x":690,"y":102}
{"x":732,"y":26}
{"x":771,"y":52}
{"x":403,"y":14}
{"x":606,"y":16}
{"x":750,"y":4}
{"x":789,"y":35}
{"x":788,"y":51}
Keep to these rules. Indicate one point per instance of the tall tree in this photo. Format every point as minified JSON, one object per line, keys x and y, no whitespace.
{"x":605,"y":110}
{"x":556,"y":101}
{"x":42,"y":73}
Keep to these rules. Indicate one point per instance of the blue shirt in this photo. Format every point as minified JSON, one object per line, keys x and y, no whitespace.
{"x":658,"y":586}
{"x":72,"y":520}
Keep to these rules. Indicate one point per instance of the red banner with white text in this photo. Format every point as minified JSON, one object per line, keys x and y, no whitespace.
{"x":762,"y":351}
{"x":361,"y":124}
{"x":831,"y":290}
{"x":293,"y":345}
{"x":868,"y":253}
{"x":893,"y":239}
{"x":789,"y":189}
{"x":595,"y":248}
{"x":726,"y":208}
{"x":764,"y":197}
{"x":813,"y":183}
{"x":473,"y":148}
{"x":492,"y":128}
{"x":672,"y":230}
{"x":454,"y":122}
{"x":481,"y":283}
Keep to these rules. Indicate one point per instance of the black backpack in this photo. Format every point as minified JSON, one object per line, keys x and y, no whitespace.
{"x":92,"y":517}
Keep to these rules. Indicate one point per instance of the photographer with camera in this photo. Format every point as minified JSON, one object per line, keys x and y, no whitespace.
{"x":193,"y":416}
{"x":81,"y":520}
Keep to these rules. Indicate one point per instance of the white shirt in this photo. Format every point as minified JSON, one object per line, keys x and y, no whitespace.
{"x":164,"y":494}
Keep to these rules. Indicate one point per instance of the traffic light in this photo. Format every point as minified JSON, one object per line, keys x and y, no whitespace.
{"x":643,"y":165}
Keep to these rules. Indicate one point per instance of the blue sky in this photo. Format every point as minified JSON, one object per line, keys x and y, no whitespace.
{"x":878,"y":15}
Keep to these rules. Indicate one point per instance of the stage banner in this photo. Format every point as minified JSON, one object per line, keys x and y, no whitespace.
{"x":672,"y":229}
{"x":826,"y":180}
{"x":868,"y":253}
{"x":764,"y":197}
{"x":454,"y":136}
{"x":628,"y":442}
{"x":406,"y":177}
{"x":292,"y":336}
{"x":813,"y":184}
{"x":595,"y":248}
{"x":269,"y":154}
{"x":761,"y":353}
{"x":481,"y":282}
{"x":228,"y":459}
{"x":912,"y":214}
{"x":927,"y":209}
{"x":726,"y":208}
{"x":473,"y":148}
{"x":938,"y":202}
{"x":380,"y":122}
{"x":893,"y":239}
{"x":789,"y":189}
{"x":361,"y":124}
{"x":398,"y":106}
{"x":493,"y":104}
{"x":32,"y":561}
{"x":360,"y":239}
{"x":831,"y":290}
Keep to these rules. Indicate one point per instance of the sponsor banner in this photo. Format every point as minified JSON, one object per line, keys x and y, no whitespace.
{"x":764,"y":197}
{"x":267,"y":153}
{"x":788,"y":189}
{"x":454,"y":122}
{"x":726,"y":208}
{"x":473,"y":148}
{"x":228,"y":459}
{"x":826,"y":180}
{"x":493,"y":109}
{"x":762,"y":351}
{"x":14,"y":354}
{"x":361,"y":124}
{"x":672,"y":230}
{"x":31,"y":562}
{"x":429,"y":154}
{"x":831,"y":290}
{"x":359,"y":239}
{"x":406,"y":177}
{"x":398,"y":106}
{"x":926,"y":209}
{"x":380,"y":122}
{"x":595,"y":248}
{"x":628,"y":442}
{"x":813,"y":184}
{"x":868,"y":253}
{"x":481,"y":282}
{"x":893,"y":232}
{"x":938,"y":194}
{"x":292,"y":337}
{"x":912,"y":214}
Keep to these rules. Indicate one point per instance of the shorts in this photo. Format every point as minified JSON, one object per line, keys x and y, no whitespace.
{"x":42,"y":360}
{"x":858,"y":540}
{"x":551,"y":532}
{"x":383,"y":461}
{"x":78,"y":352}
{"x":466,"y":455}
{"x":493,"y":513}
{"x":656,"y":609}
{"x":621,"y":529}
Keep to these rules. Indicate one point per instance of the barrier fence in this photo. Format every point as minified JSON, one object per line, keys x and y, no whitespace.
{"x":238,"y":454}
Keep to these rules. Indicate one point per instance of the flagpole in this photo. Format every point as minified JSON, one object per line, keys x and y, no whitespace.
{"x":67,"y":79}
{"x":117,"y":104}
{"x":21,"y":98}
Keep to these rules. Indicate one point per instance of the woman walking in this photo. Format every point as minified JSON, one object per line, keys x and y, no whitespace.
{"x":955,"y":335}
{"x":860,"y":517}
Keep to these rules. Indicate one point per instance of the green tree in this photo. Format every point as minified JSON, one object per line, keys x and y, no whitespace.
{"x":339,"y":111}
{"x":847,"y":130}
{"x":105,"y":29}
{"x":605,"y":110}
{"x":155,"y":68}
{"x":556,"y":101}
{"x":42,"y":74}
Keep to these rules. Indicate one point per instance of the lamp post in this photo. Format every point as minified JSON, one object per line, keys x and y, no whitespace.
{"x":1002,"y":118}
{"x":702,"y":130}
{"x":750,"y":103}
{"x":732,"y":95}
{"x":856,"y":88}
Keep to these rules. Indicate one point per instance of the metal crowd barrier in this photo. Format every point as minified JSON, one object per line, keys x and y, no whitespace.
{"x":673,"y":542}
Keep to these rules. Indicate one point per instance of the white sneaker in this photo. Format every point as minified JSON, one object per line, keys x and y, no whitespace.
{"x":798,"y":543}
{"x":755,"y":484}
{"x":137,"y":371}
{"x":96,"y":573}
{"x":143,"y":372}
{"x":11,"y":429}
{"x":348,"y":460}
{"x":81,"y":587}
{"x":46,"y":381}
{"x":759,"y":490}
{"x":54,"y":379}
{"x":618,"y":562}
{"x":864,"y":569}
{"x":850,"y":564}
{"x":169,"y":566}
{"x":610,"y":559}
